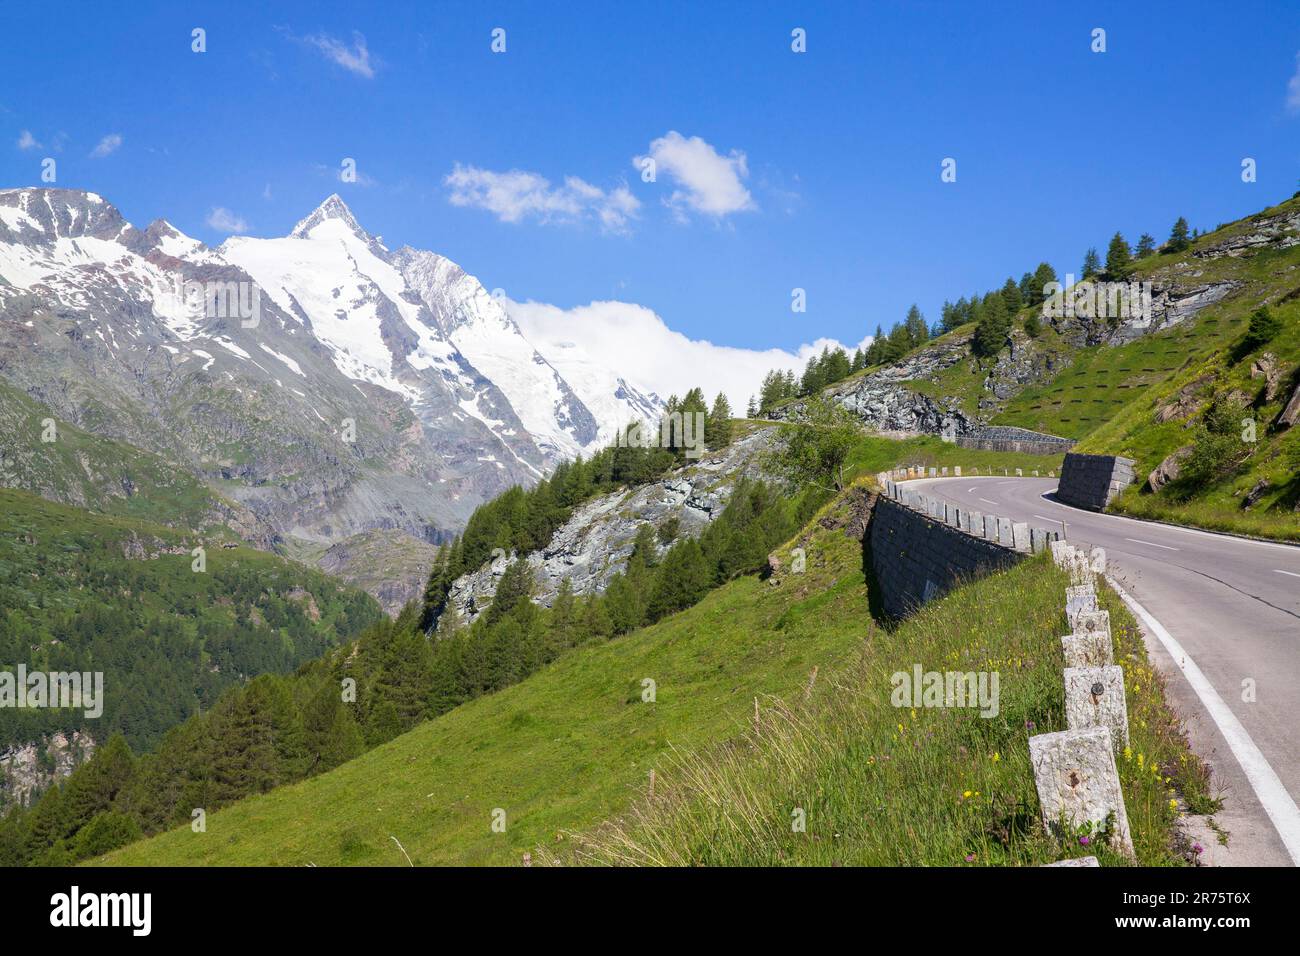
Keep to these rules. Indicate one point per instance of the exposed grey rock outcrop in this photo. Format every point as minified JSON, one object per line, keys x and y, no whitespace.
{"x":1278,"y":231}
{"x":29,"y":770}
{"x":1266,"y":367}
{"x":596,"y":542}
{"x":1169,"y":469}
{"x":883,"y":400}
{"x":1291,"y":413}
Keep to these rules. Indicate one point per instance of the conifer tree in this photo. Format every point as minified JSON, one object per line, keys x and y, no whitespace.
{"x":1011,"y":299}
{"x":991,"y":332}
{"x":1044,"y":276}
{"x":1091,"y":263}
{"x":1026,"y":287}
{"x":717,"y":427}
{"x":435,"y":589}
{"x":516,"y":585}
{"x":563,"y":622}
{"x":343,"y":742}
{"x":1178,"y":237}
{"x":244,"y":757}
{"x":918,"y":332}
{"x":1119,"y":259}
{"x":596,"y":624}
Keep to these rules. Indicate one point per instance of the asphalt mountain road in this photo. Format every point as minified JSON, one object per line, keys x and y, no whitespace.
{"x":1222,"y":619}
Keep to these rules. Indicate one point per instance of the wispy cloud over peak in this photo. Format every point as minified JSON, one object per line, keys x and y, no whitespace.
{"x":637,"y":344}
{"x":223,"y":220}
{"x":517,"y":195}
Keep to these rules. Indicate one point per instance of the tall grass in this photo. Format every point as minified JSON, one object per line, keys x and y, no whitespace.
{"x":879,"y":785}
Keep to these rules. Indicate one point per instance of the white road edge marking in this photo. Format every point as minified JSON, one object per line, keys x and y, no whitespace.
{"x":1292,"y":573}
{"x":1273,"y":796}
{"x":987,"y":502}
{"x":1152,"y":544}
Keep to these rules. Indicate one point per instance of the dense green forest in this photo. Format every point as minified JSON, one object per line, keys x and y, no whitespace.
{"x":92,"y":593}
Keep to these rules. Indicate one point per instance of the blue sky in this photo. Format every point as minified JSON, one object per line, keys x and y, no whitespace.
{"x":776,"y":170}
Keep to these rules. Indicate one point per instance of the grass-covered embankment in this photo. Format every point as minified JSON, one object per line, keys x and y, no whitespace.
{"x":878,"y":785}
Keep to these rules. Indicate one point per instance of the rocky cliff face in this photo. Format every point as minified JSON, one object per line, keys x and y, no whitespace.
{"x":885,"y":401}
{"x":596,"y":542}
{"x":28,"y":771}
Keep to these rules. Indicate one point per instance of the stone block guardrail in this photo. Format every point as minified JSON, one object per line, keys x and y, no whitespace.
{"x":1091,"y":481}
{"x":922,"y":546}
{"x":916,"y":538}
{"x":1075,"y":772}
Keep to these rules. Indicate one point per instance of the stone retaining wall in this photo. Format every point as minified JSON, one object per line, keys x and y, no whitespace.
{"x":922,"y":547}
{"x":1010,"y":438}
{"x":1091,"y":481}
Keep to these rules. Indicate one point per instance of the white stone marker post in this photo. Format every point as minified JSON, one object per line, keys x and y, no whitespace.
{"x":1094,"y":697}
{"x":1077,"y":783}
{"x":1078,"y":600}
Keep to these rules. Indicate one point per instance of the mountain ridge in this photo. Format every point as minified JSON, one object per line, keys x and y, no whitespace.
{"x":328,"y":386}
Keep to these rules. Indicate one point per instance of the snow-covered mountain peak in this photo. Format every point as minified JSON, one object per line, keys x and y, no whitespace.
{"x":411,"y":322}
{"x":39,"y":215}
{"x":332,"y":210}
{"x":170,"y":241}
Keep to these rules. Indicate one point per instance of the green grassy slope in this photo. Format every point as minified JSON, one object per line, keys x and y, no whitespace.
{"x":873,"y":454}
{"x":1103,"y":381}
{"x":1270,"y":466}
{"x":564,"y":749}
{"x":880,"y":785}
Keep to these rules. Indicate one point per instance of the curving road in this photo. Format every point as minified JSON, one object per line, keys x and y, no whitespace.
{"x":1220,"y":613}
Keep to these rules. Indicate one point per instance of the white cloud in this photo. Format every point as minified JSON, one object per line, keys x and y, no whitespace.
{"x":223,"y":220}
{"x":27,"y":141}
{"x":637,"y":344}
{"x":107,"y":145}
{"x":354,"y":59}
{"x":708,"y":183}
{"x":517,"y":195}
{"x":1293,"y":88}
